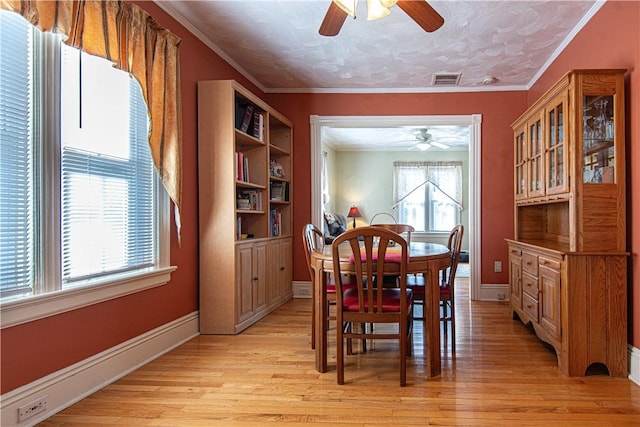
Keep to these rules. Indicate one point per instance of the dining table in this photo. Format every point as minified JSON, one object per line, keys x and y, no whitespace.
{"x":424,"y":258}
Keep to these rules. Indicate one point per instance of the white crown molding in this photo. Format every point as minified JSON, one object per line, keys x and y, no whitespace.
{"x":562,"y":46}
{"x":168,"y":7}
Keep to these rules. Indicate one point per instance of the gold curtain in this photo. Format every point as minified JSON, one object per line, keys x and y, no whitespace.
{"x":127,"y":36}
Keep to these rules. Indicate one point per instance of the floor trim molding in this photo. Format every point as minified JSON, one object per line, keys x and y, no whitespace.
{"x":634,"y":364}
{"x":73,"y":383}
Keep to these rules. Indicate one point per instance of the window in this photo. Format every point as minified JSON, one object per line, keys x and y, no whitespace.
{"x":428,"y":194}
{"x":80,"y":202}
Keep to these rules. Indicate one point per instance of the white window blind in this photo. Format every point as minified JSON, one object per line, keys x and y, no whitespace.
{"x":107,"y":172}
{"x":16,"y":157}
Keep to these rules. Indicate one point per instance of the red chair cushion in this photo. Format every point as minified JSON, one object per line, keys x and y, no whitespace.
{"x":390,"y":300}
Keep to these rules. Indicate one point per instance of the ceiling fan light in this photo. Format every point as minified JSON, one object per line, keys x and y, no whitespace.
{"x":348,"y":6}
{"x":388,"y":3}
{"x":375,"y":10}
{"x":439,"y":145}
{"x":423,"y":146}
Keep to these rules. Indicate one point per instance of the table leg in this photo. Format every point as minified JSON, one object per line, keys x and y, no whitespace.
{"x":321,"y":326}
{"x":432,"y":322}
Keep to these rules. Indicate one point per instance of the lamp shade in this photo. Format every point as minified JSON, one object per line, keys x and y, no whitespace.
{"x":354,"y":212}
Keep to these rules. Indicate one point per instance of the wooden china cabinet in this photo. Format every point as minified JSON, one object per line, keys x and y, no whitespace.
{"x":568,"y":259}
{"x":245,"y":170}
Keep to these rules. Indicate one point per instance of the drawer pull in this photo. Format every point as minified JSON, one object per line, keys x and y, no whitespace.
{"x":255,"y":277}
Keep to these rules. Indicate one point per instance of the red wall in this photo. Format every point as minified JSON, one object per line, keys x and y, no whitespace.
{"x":498,"y":109}
{"x":35,"y":349}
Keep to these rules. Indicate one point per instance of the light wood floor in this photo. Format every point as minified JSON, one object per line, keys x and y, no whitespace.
{"x":502,"y":375}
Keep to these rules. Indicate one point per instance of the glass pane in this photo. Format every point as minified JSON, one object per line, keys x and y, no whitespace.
{"x":598,"y":139}
{"x":95,"y":105}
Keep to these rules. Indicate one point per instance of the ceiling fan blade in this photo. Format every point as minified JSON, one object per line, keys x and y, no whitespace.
{"x":333,"y":20}
{"x":422,"y":13}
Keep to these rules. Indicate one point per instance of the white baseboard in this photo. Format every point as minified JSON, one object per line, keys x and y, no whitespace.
{"x":302,"y":289}
{"x":498,"y":292}
{"x":634,"y":364}
{"x":73,"y":383}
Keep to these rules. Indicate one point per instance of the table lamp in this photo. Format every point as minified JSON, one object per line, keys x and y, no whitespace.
{"x":354,"y":213}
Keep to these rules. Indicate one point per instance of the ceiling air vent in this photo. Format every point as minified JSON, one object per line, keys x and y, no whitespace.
{"x":446,"y":79}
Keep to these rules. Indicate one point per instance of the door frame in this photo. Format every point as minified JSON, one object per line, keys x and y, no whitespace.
{"x":474,"y":122}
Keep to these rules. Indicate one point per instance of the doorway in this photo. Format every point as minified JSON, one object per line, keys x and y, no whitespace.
{"x":473,"y":121}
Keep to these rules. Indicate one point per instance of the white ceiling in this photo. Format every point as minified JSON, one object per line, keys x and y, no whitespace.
{"x":276,"y":45}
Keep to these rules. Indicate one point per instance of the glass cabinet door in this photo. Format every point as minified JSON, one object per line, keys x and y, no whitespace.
{"x":598,"y":139}
{"x":535,"y":179}
{"x":556,"y":162}
{"x":520,"y":186}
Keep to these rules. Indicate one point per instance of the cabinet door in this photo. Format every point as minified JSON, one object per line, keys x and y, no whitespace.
{"x":520,"y":173}
{"x":280,"y":275}
{"x":244,"y":281}
{"x":515,"y":277}
{"x":251,"y":279}
{"x":535,"y":179}
{"x":260,"y":282}
{"x":556,"y":160}
{"x":550,"y":298}
{"x":285,"y":268}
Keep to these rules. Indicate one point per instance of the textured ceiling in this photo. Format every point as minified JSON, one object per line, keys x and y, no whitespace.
{"x":276,"y":45}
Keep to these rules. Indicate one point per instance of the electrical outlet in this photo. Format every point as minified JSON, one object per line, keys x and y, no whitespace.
{"x":497,"y":266}
{"x":32,"y":409}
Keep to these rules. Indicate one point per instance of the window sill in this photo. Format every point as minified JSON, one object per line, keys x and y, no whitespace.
{"x":18,"y":311}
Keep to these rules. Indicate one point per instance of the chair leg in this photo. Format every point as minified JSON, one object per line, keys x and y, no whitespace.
{"x":340,"y":352}
{"x":403,"y":353}
{"x":313,"y":323}
{"x":453,"y":324}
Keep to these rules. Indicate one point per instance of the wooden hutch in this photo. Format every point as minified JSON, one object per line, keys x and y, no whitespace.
{"x":568,"y":259}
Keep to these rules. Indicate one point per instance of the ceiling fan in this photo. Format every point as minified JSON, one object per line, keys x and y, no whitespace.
{"x":420,"y":11}
{"x":425,"y":140}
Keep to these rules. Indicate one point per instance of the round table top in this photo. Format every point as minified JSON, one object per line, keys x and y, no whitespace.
{"x":421,"y":256}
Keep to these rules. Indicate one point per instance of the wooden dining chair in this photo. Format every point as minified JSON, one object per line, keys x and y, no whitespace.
{"x":404,"y":230}
{"x":447,"y":299}
{"x":366,"y":304}
{"x":313,"y":240}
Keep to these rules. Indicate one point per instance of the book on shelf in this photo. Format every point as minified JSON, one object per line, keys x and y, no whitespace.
{"x":249,"y":200}
{"x":275,"y":222}
{"x":242,"y":167}
{"x":246,"y":119}
{"x":279,"y":191}
{"x":257,"y":125}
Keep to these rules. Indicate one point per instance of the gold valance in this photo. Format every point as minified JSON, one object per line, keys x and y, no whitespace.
{"x":126,"y":35}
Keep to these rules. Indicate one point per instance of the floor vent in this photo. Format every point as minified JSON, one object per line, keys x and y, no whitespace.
{"x":446,"y":79}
